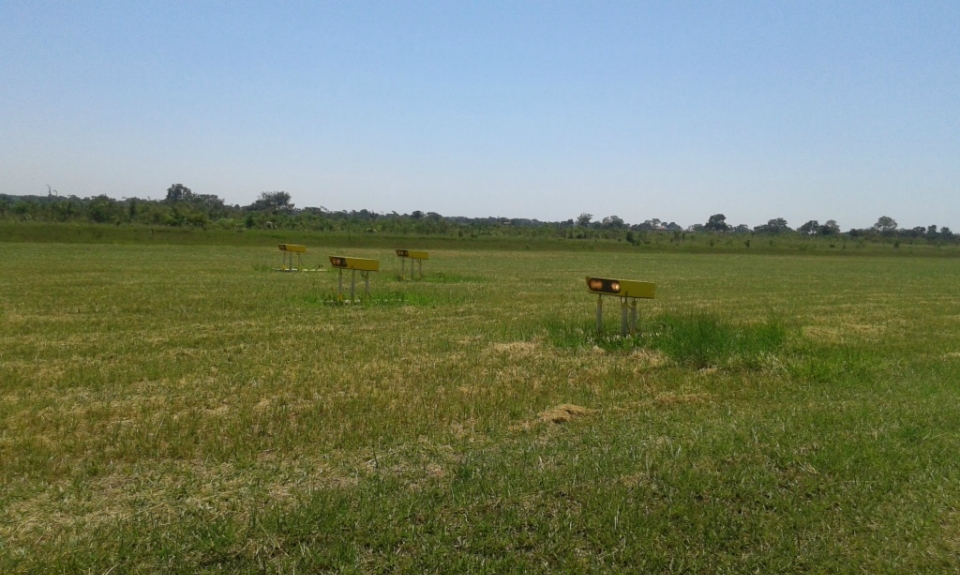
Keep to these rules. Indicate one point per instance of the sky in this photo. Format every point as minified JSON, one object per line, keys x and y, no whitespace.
{"x":672,"y":110}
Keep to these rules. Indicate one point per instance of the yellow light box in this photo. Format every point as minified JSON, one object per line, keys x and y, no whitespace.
{"x":622,"y":288}
{"x":414,"y":254}
{"x":361,"y":264}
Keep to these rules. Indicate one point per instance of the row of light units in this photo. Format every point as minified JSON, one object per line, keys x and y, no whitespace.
{"x":625,"y":289}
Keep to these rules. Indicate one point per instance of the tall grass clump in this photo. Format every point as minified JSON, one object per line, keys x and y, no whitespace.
{"x":583,"y":335}
{"x":704,"y":339}
{"x":697,"y":340}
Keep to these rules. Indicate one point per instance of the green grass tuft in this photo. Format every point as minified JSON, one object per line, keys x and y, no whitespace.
{"x":696,"y":340}
{"x":703,"y":339}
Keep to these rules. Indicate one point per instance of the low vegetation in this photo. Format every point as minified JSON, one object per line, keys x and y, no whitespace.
{"x":182,"y":209}
{"x":184,"y":409}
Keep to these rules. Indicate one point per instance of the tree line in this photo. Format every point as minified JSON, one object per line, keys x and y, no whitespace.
{"x":181,"y":207}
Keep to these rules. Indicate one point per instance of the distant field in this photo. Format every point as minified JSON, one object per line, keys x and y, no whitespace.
{"x":501,"y":238}
{"x":177,"y":408}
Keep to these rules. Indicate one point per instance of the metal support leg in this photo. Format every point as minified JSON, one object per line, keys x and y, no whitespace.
{"x":353,"y":282}
{"x":366,"y":284}
{"x":623,"y":317}
{"x":599,"y":314}
{"x":421,"y":269}
{"x":340,"y":284}
{"x":403,"y":267}
{"x":633,"y":317}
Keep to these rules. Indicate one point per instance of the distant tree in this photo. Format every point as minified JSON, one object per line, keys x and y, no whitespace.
{"x":103,"y":209}
{"x":742,"y":229}
{"x":653,"y":224}
{"x":272,"y":201}
{"x":717,"y":223}
{"x":931,"y":231}
{"x":828,"y":229}
{"x":774,"y":226}
{"x":809,"y":228}
{"x":885,"y":224}
{"x":612,"y":222}
{"x":584,"y":219}
{"x":179,"y":193}
{"x":417,"y":214}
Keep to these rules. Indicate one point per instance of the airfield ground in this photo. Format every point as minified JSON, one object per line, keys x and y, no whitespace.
{"x":182,"y":408}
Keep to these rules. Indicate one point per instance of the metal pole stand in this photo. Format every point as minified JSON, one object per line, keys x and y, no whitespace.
{"x":340,"y":284}
{"x":403,"y":268}
{"x":633,"y":317}
{"x":366,"y":284}
{"x":623,"y":317}
{"x":421,"y":268}
{"x":599,"y":314}
{"x":353,"y":284}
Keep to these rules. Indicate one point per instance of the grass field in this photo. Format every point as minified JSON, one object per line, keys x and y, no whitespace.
{"x":171,"y":408}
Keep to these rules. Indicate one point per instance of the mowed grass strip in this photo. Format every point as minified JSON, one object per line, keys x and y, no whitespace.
{"x":182,"y":409}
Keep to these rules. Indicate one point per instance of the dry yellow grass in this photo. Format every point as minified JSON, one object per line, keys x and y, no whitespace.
{"x":191,"y":390}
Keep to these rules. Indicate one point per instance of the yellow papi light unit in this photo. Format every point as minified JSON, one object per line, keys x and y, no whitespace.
{"x":290,"y":250}
{"x":362,"y":265}
{"x":629,"y":291}
{"x":622,"y":288}
{"x":416,"y":255}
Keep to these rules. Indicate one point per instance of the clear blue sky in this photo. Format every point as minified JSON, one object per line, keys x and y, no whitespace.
{"x":674,"y":110}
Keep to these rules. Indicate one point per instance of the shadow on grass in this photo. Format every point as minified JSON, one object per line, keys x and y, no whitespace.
{"x":435,"y":278}
{"x":384,"y":299}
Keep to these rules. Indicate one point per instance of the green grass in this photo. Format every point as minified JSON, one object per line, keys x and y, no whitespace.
{"x":703,"y":340}
{"x":494,"y":240}
{"x":698,"y":339}
{"x":181,"y":408}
